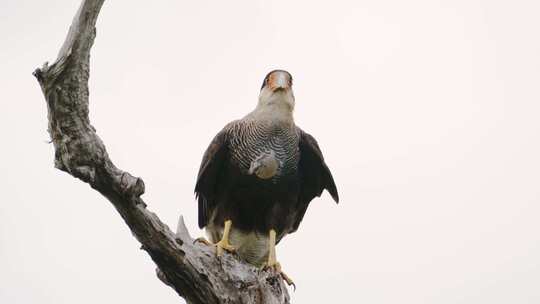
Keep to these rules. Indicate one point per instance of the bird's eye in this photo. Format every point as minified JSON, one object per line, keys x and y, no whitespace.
{"x":265,"y":82}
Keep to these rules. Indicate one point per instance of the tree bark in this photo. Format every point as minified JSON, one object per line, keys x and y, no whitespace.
{"x":192,"y":270}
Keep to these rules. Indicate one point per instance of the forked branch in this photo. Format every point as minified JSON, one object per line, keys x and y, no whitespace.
{"x":192,"y":270}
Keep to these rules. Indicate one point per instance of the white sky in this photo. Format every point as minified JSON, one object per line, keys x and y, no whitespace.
{"x":427,"y":113}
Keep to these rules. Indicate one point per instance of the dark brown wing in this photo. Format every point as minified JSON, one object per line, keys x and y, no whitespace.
{"x":207,"y":179}
{"x":314,"y":175}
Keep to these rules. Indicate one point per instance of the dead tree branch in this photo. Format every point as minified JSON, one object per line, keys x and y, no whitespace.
{"x":193,"y":271}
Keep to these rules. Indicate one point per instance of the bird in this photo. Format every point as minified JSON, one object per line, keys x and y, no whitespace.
{"x":258,"y":176}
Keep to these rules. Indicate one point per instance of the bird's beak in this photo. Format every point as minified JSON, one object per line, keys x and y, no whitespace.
{"x":253,"y":167}
{"x":278,"y":81}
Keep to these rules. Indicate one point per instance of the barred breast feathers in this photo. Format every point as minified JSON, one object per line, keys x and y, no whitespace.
{"x":268,"y":129}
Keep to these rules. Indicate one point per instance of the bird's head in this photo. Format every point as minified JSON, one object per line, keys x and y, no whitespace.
{"x":276,"y":91}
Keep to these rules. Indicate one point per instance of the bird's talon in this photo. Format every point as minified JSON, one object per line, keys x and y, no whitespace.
{"x":202,"y":240}
{"x":287,"y":280}
{"x":223,"y":246}
{"x":276,"y":267}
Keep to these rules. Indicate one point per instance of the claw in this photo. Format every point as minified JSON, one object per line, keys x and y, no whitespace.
{"x":287,"y":279}
{"x":223,"y":246}
{"x":202,"y":240}
{"x":276,"y":267}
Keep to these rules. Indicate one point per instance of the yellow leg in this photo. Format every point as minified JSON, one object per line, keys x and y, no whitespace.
{"x":272,"y":262}
{"x":224,"y":244}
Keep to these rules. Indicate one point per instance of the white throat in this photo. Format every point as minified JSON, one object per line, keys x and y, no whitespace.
{"x":275,"y":106}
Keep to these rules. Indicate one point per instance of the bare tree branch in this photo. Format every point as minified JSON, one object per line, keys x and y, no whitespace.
{"x":192,"y":270}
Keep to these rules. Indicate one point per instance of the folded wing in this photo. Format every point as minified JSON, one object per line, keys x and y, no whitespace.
{"x":209,"y":173}
{"x":315,"y":176}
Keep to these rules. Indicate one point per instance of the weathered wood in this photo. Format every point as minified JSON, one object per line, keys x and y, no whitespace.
{"x":192,"y":270}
